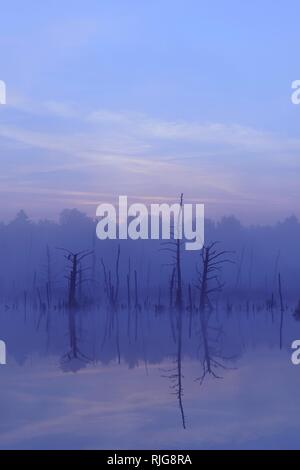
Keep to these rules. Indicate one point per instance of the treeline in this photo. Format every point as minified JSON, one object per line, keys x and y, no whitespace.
{"x":29,"y":255}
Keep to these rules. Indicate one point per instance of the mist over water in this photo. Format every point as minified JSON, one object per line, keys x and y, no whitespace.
{"x":148,"y":345}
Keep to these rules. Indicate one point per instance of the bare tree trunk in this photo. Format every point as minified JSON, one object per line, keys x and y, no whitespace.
{"x":128,"y":305}
{"x":281,"y":311}
{"x":191,"y":311}
{"x":74,"y":281}
{"x":179,"y":371}
{"x":171,"y":304}
{"x":136,"y":305}
{"x":179,"y":305}
{"x":239,"y":272}
{"x":116,"y":305}
{"x":171,"y":288}
{"x":49,"y":276}
{"x":211,"y":261}
{"x":129,"y":299}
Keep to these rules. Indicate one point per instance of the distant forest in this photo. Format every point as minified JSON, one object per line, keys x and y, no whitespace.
{"x":32,"y":257}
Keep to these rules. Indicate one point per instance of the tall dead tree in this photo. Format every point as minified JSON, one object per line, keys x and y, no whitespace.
{"x":136,"y":304}
{"x":179,"y":305}
{"x":112,"y":294}
{"x":174,"y":246}
{"x":128,"y":279}
{"x":74,"y":273}
{"x":178,"y":257}
{"x":172,"y":281}
{"x":281,"y":310}
{"x":190,"y":309}
{"x":49,"y":277}
{"x":212,"y":261}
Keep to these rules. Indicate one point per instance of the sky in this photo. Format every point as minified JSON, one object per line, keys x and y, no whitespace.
{"x":150,"y":99}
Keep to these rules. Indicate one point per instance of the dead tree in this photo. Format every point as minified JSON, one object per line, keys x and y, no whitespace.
{"x":112,"y":295}
{"x":74,"y":269}
{"x":178,"y":258}
{"x":175,"y":374}
{"x":94,"y":264}
{"x":111,"y":288}
{"x":128,"y":278}
{"x":49,"y":277}
{"x":45,"y":307}
{"x":171,"y":288}
{"x":239,"y":271}
{"x":212,"y":261}
{"x":190,"y":308}
{"x":281,"y":311}
{"x":136,"y":304}
{"x":179,"y":305}
{"x":171,"y":303}
{"x":174,"y":246}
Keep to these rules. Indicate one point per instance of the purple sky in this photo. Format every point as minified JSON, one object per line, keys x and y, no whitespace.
{"x":150,"y":100}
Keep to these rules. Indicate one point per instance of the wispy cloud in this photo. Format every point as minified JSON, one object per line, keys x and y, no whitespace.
{"x":123,"y":151}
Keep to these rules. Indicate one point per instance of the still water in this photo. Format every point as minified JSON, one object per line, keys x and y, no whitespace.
{"x":255,"y":405}
{"x":127,"y":400}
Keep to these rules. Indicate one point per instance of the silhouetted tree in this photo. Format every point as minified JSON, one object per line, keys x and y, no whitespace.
{"x":208,"y":284}
{"x":74,"y":260}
